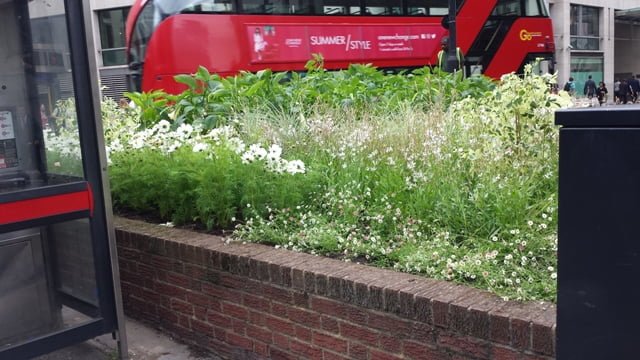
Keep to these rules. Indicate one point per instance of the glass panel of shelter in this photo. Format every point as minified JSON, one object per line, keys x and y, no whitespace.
{"x":47,"y":274}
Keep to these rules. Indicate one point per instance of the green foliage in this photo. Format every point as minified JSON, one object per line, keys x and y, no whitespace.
{"x":424,"y":172}
{"x":210,"y":101}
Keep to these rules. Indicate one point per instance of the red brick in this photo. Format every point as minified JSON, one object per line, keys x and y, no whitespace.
{"x":303,"y":333}
{"x":543,"y":332}
{"x":501,"y":353}
{"x":238,"y":326}
{"x":130,"y":289}
{"x":330,"y":324}
{"x":280,"y":340}
{"x":520,"y":333}
{"x":389,"y":324}
{"x":220,"y":333}
{"x":161,"y":262}
{"x":278,"y":294}
{"x":218,"y":319}
{"x":327,"y":355}
{"x":170,"y":290}
{"x":240,"y":283}
{"x":304,"y":317}
{"x":256,"y":318}
{"x":499,"y":327}
{"x":379,"y":355}
{"x":390,"y":343}
{"x":440,"y":313}
{"x":235,"y":311}
{"x":255,"y":303}
{"x":132,"y":278}
{"x":463,"y":344}
{"x":418,"y":351}
{"x":424,"y":333}
{"x":182,"y":307}
{"x":301,"y":300}
{"x":260,"y":334}
{"x":330,"y":342}
{"x":279,"y":325}
{"x":150,"y":296}
{"x":360,"y":334}
{"x":220,"y":293}
{"x":280,"y":310}
{"x":202,"y":327}
{"x":306,"y":350}
{"x":261,"y":349}
{"x":198,"y":299}
{"x":200,"y":312}
{"x":167,"y":316}
{"x":183,"y":321}
{"x":358,"y":351}
{"x":129,"y":254}
{"x":277,"y":354}
{"x":146,"y":271}
{"x":239,"y":341}
{"x":328,"y":307}
{"x":194,"y":271}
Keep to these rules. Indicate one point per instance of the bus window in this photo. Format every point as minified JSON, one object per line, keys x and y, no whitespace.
{"x":383,"y":7}
{"x":142,"y":31}
{"x":209,"y":6}
{"x":300,"y":7}
{"x":427,"y":7}
{"x":341,"y":7}
{"x":333,"y":7}
{"x":252,"y":6}
{"x":507,"y":8}
{"x":277,"y":7}
{"x":535,"y":8}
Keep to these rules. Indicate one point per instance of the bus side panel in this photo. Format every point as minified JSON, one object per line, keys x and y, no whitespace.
{"x":226,"y":44}
{"x":527,"y":35}
{"x":182,"y":43}
{"x":470,"y":20}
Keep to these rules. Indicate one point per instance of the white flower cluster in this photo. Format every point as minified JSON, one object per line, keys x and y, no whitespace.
{"x":67,"y":143}
{"x":162,"y":138}
{"x":272,"y":159}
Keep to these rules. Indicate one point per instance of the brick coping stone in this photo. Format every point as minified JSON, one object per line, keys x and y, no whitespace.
{"x":528,"y":327}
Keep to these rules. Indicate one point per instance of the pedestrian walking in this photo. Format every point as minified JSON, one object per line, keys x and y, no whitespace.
{"x":590,"y":88}
{"x":601,"y":93}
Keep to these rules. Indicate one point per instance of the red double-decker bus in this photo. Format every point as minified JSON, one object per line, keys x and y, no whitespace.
{"x":170,"y":37}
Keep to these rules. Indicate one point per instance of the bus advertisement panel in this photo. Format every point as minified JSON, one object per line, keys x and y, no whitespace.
{"x":356,"y":43}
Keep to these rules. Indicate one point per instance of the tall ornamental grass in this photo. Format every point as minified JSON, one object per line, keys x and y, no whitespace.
{"x":424,"y":173}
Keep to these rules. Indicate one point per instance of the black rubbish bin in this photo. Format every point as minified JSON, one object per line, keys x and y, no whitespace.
{"x":599,"y":234}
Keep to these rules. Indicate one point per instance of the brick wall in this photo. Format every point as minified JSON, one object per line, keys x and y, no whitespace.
{"x":248,"y":301}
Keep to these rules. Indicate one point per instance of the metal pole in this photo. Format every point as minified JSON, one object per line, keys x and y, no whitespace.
{"x":452,"y":56}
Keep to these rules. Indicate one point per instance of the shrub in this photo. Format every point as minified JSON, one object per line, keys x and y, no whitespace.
{"x":424,"y":172}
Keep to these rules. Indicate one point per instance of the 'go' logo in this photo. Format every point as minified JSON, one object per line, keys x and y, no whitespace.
{"x":528,"y":36}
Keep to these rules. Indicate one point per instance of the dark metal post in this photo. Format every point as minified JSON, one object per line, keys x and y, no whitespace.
{"x":452,"y":56}
{"x":598,"y":234}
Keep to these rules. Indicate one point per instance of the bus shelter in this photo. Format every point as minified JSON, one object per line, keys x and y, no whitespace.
{"x":58,"y":270}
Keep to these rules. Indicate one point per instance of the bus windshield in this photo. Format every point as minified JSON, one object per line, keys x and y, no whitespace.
{"x":155,"y":11}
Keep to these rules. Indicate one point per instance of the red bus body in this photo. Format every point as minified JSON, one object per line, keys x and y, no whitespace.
{"x":225,"y":43}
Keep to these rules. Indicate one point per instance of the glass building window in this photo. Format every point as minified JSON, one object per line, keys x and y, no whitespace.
{"x":112,"y":35}
{"x":585,"y":27}
{"x":584,"y":66}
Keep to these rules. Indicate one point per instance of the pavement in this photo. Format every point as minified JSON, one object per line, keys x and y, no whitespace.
{"x":144,"y":343}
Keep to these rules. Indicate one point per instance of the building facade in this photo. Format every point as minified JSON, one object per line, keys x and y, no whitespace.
{"x":600,"y":38}
{"x":109,"y":18}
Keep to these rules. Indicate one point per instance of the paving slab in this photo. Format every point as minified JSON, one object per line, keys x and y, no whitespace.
{"x":145,"y":343}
